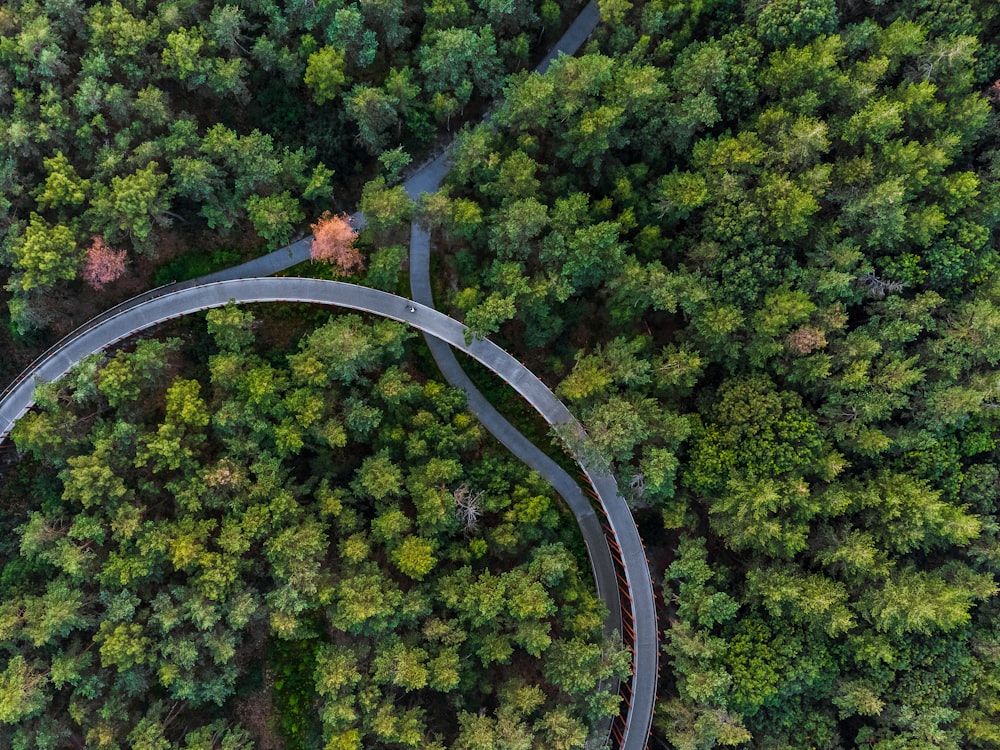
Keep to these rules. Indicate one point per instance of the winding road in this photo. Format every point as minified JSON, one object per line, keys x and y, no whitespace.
{"x":635,"y":613}
{"x":620,"y":567}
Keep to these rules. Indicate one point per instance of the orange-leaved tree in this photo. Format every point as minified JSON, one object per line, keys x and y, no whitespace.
{"x":333,"y":242}
{"x":102,"y":264}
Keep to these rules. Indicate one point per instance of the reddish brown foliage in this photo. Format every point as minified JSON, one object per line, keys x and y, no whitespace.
{"x":333,"y":242}
{"x":806,"y":339}
{"x":993,"y":93}
{"x":102,"y":265}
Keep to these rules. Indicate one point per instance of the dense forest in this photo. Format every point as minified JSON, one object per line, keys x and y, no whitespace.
{"x":756,"y":245}
{"x":303,"y":550}
{"x":140,"y":126}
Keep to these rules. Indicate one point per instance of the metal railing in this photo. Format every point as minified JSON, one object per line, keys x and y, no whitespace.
{"x":620,"y":722}
{"x":84,"y":328}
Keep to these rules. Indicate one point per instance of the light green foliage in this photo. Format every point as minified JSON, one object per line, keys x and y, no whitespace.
{"x":54,"y":614}
{"x":394,"y":161}
{"x":613,"y":11}
{"x":487,"y":317}
{"x":44,"y":254}
{"x":184,"y":406}
{"x":756,"y":432}
{"x":415,"y":557}
{"x":365,"y":602}
{"x":384,"y":267}
{"x":618,"y":425}
{"x":176,"y":534}
{"x":906,"y":514}
{"x":182,"y":56}
{"x":325,"y":74}
{"x":131,"y":205}
{"x":122,"y":379}
{"x":401,"y":666}
{"x":89,"y":480}
{"x":379,"y":477}
{"x":122,"y":645}
{"x":812,"y":600}
{"x":680,"y":193}
{"x":230,"y":327}
{"x":274,"y":217}
{"x":21,"y":691}
{"x":385,"y":207}
{"x":704,"y":681}
{"x":343,"y":349}
{"x":63,"y":186}
{"x":919,"y":602}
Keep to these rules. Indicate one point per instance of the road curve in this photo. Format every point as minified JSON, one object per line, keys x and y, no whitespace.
{"x":635,"y":612}
{"x":424,"y":180}
{"x":176,"y":303}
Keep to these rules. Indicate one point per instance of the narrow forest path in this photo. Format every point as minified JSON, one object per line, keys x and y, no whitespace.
{"x":616,"y":554}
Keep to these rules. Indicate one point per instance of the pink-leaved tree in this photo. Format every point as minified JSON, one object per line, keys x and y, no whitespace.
{"x":333,"y":242}
{"x":102,"y":264}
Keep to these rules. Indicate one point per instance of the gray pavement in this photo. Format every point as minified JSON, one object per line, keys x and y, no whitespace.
{"x":577,"y":33}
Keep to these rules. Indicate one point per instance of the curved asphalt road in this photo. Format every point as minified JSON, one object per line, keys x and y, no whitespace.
{"x":240,"y":283}
{"x":176,"y":303}
{"x":645,"y":662}
{"x":427,"y":180}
